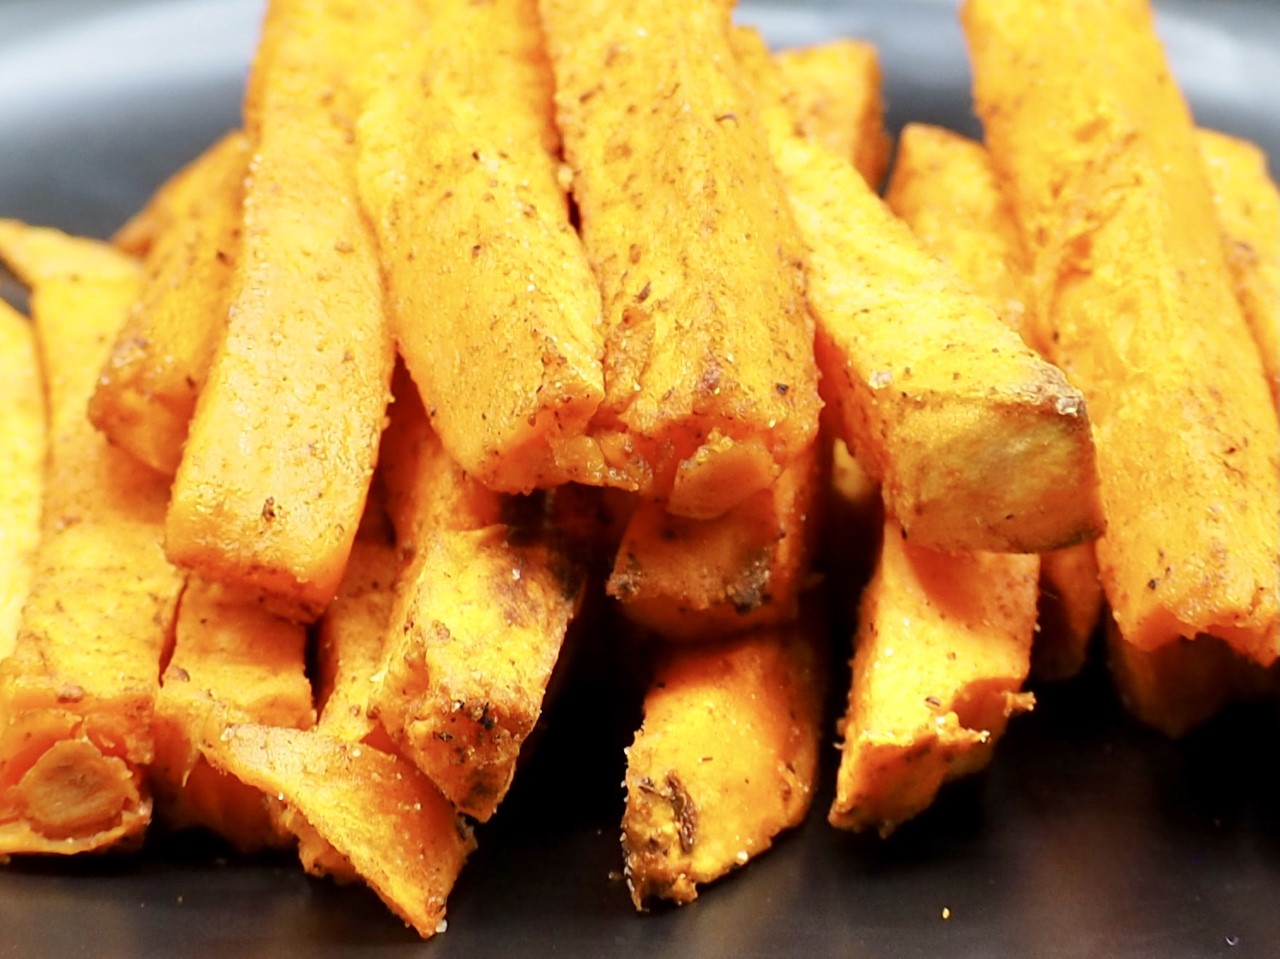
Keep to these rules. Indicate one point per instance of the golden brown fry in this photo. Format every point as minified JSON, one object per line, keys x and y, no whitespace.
{"x":148,"y":388}
{"x":942,"y":650}
{"x":1183,"y":683}
{"x":478,"y":623}
{"x":494,"y":304}
{"x":232,"y":662}
{"x":835,"y":95}
{"x":710,"y":384}
{"x":1100,"y":157}
{"x":977,"y":442}
{"x":23,"y":442}
{"x":386,"y":821}
{"x":77,"y":694}
{"x":726,"y":759}
{"x":947,"y":191}
{"x":1248,"y":211}
{"x":177,"y":194}
{"x":282,"y":447}
{"x":700,"y":578}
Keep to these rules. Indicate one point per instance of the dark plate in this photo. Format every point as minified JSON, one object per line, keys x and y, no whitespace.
{"x":1088,"y":837}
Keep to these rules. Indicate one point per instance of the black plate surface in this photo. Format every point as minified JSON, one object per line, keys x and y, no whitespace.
{"x":1089,"y":836}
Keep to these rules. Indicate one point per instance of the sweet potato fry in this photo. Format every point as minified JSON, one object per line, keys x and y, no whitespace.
{"x":77,"y":693}
{"x":726,"y":759}
{"x":947,"y":191}
{"x":232,"y":662}
{"x":700,"y":578}
{"x":350,"y":642}
{"x":944,"y":187}
{"x":710,"y":384}
{"x":1181,"y":684}
{"x":942,"y":649}
{"x":282,"y":446}
{"x":426,"y":490}
{"x":1248,"y":211}
{"x":495,"y":307}
{"x":1101,"y":160}
{"x":148,"y":388}
{"x":478,"y":623}
{"x":384,"y":818}
{"x":23,"y":441}
{"x":177,"y":195}
{"x":977,"y":442}
{"x":835,"y":95}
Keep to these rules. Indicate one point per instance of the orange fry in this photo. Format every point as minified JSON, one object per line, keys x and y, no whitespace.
{"x":977,"y":442}
{"x":494,"y":304}
{"x":478,"y":623}
{"x":350,"y":641}
{"x":282,"y":446}
{"x":388,"y":824}
{"x":726,"y":760}
{"x":1248,"y":209}
{"x":947,"y":191}
{"x":148,"y":388}
{"x":710,"y":383}
{"x":232,"y":662}
{"x":77,"y":694}
{"x":699,"y":578}
{"x":942,"y":649}
{"x":1100,"y":158}
{"x":23,"y":442}
{"x":835,"y":94}
{"x":1182,"y":684}
{"x":177,"y":194}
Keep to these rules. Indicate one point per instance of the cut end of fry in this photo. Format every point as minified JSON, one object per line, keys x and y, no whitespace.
{"x":925,"y":376}
{"x":474,"y":637}
{"x":380,"y":814}
{"x":1046,"y":495}
{"x":62,"y":792}
{"x":691,"y":579}
{"x":942,"y":650}
{"x":710,"y":384}
{"x":1182,"y":684}
{"x":726,"y":758}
